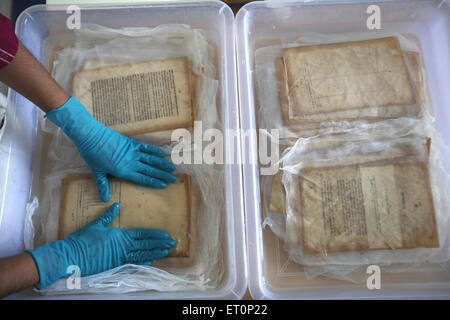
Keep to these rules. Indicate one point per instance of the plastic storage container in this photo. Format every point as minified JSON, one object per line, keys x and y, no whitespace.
{"x":22,"y":134}
{"x":258,"y":24}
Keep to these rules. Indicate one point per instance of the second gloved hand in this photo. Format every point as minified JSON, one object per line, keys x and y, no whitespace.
{"x":109,"y":152}
{"x":96,"y":248}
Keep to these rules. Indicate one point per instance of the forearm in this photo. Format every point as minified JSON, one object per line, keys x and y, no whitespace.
{"x":17,"y":273}
{"x":29,"y":78}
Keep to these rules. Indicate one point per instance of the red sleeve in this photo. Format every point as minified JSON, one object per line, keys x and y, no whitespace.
{"x":8,"y":41}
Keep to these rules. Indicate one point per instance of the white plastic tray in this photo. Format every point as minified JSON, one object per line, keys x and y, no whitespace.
{"x":260,"y":23}
{"x":22,"y":134}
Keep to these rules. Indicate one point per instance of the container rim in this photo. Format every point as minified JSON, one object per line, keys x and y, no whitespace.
{"x":236,"y":285}
{"x":258,"y":286}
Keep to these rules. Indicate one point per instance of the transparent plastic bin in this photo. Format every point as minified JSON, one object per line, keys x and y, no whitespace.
{"x":23,"y":136}
{"x":259,"y":24}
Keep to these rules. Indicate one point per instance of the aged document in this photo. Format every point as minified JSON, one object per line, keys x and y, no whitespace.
{"x":342,"y":76}
{"x":366,"y":207}
{"x":139,"y":97}
{"x":277,"y":195}
{"x":173,"y":209}
{"x":380,"y":112}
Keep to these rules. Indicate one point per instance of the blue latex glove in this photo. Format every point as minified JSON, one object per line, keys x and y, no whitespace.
{"x":96,"y":248}
{"x":109,"y":152}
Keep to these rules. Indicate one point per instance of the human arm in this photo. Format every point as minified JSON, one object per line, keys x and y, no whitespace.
{"x":94,"y":248}
{"x":20,"y":70}
{"x":17,"y":273}
{"x":28,"y":77}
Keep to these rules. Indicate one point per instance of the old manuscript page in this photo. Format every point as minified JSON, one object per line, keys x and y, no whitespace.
{"x":366,"y":207}
{"x":172,"y":209}
{"x":342,"y":76}
{"x":380,"y":112}
{"x":139,"y":97}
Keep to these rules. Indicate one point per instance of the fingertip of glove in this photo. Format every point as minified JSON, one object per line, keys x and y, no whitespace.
{"x":159,"y":254}
{"x":159,"y":185}
{"x":171,"y":178}
{"x":101,"y":180}
{"x":162,"y":234}
{"x":170,"y":166}
{"x":103,"y":190}
{"x":104,"y":196}
{"x":171,"y":243}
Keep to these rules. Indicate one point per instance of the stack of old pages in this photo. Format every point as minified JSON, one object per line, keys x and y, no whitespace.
{"x":348,"y":81}
{"x":141,"y":207}
{"x":360,"y":171}
{"x":143,"y":83}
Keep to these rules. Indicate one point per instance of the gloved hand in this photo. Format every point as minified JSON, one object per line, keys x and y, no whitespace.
{"x":109,"y":152}
{"x":96,"y":248}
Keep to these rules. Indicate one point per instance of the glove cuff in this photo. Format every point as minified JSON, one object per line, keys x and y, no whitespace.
{"x":67,"y":114}
{"x":51,"y":262}
{"x":76,"y":122}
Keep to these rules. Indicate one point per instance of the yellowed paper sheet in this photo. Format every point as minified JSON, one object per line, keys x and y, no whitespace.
{"x":139,"y":97}
{"x":413,"y":62}
{"x":350,"y":75}
{"x":172,"y":209}
{"x":277,"y":195}
{"x":158,"y":136}
{"x":355,"y":114}
{"x":336,"y":140}
{"x":366,"y":207}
